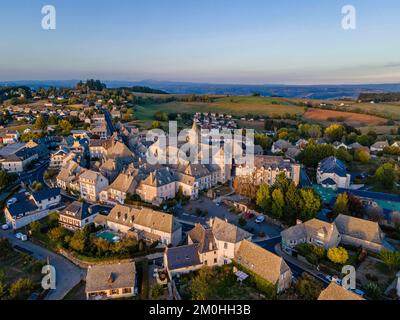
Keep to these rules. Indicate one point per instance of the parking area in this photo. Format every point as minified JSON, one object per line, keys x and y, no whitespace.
{"x":188,"y":213}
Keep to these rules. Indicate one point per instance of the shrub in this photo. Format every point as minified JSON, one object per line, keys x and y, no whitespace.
{"x":242,"y":221}
{"x":373,"y":291}
{"x":308,"y":287}
{"x":21,"y":289}
{"x":338,"y":255}
{"x":156,"y":291}
{"x":390,"y":259}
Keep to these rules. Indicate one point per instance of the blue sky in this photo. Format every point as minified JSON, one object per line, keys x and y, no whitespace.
{"x":215,"y":41}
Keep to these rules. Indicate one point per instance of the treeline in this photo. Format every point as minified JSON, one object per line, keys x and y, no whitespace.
{"x":19,"y":94}
{"x":379,"y":97}
{"x":91,"y":84}
{"x":140,"y":89}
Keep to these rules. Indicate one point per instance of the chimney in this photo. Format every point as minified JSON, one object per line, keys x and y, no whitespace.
{"x":111,"y":278}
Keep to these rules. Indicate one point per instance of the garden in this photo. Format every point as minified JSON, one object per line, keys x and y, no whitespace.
{"x":217,"y":283}
{"x":84,"y":244}
{"x":23,"y":276}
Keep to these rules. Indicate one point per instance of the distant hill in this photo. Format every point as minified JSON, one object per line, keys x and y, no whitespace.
{"x":380,"y":97}
{"x":323,"y":92}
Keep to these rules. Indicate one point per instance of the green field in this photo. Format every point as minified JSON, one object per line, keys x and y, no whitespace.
{"x":236,"y":106}
{"x":382,"y":109}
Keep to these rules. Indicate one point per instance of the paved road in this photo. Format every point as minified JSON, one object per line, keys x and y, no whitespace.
{"x":68,"y":275}
{"x":108,"y":118}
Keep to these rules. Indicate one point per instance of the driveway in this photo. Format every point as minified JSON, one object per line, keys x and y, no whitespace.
{"x":67,"y":274}
{"x":222,"y":212}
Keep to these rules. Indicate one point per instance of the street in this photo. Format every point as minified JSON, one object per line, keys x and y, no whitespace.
{"x":67,"y":274}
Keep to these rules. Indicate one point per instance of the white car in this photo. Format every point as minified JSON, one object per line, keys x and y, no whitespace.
{"x":11,"y":201}
{"x":24,"y":237}
{"x":4,"y":227}
{"x":18,"y":235}
{"x":260,"y":219}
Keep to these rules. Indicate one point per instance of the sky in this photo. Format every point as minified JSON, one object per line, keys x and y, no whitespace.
{"x":210,"y":41}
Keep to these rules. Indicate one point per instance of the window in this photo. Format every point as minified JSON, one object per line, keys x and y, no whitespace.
{"x":126,"y":290}
{"x":225,"y":245}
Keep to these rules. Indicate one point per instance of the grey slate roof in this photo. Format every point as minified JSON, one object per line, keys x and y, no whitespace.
{"x":182,"y":257}
{"x":99,"y":277}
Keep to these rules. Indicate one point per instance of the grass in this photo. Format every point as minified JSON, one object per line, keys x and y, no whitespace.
{"x":2,"y":218}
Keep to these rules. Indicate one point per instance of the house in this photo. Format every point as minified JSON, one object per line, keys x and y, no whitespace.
{"x":18,"y":161}
{"x":396,"y":144}
{"x":68,"y":177}
{"x":336,"y":292}
{"x":101,"y":131}
{"x":332,"y":173}
{"x":379,"y":146}
{"x":258,"y":150}
{"x":31,"y":207}
{"x":263,"y":263}
{"x":110,"y":281}
{"x":158,"y":186}
{"x":78,"y":214}
{"x":10,"y":137}
{"x":91,"y":183}
{"x":281,"y":146}
{"x":301,"y":143}
{"x":265,"y":169}
{"x":57,"y":158}
{"x":292,"y":153}
{"x":124,"y":185}
{"x":181,"y":260}
{"x":337,"y":145}
{"x":314,"y":231}
{"x":211,"y":245}
{"x":143,"y":223}
{"x":359,"y":232}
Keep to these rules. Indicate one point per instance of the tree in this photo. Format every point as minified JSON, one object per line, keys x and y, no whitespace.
{"x":308,"y":287}
{"x":34,"y":226}
{"x":262,"y":140}
{"x":356,"y":207}
{"x":156,"y":291}
{"x":156,"y":125}
{"x":278,"y":203}
{"x":79,"y":241}
{"x":21,"y":289}
{"x":57,"y":234}
{"x":161,"y":116}
{"x":335,"y":132}
{"x":65,"y":126}
{"x":282,"y":182}
{"x":314,"y":153}
{"x":341,"y":205}
{"x":200,"y":286}
{"x":5,"y":179}
{"x":362,"y":156}
{"x":310,"y":204}
{"x":292,"y":203}
{"x":344,"y":155}
{"x":40,"y":123}
{"x":263,"y":199}
{"x":391,"y":259}
{"x":386,"y":176}
{"x":338,"y":255}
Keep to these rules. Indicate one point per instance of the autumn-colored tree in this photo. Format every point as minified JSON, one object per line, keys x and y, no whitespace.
{"x":338,"y":255}
{"x":263,"y":198}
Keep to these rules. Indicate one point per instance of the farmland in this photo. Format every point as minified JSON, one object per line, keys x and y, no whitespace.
{"x":340,"y":116}
{"x":237,"y":106}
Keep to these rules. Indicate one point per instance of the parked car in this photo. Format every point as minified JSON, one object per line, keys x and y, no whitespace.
{"x":18,"y":235}
{"x":4,"y":227}
{"x":11,"y":201}
{"x":24,"y":237}
{"x":359,"y":292}
{"x":218,"y":204}
{"x":334,"y":278}
{"x":260,"y":219}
